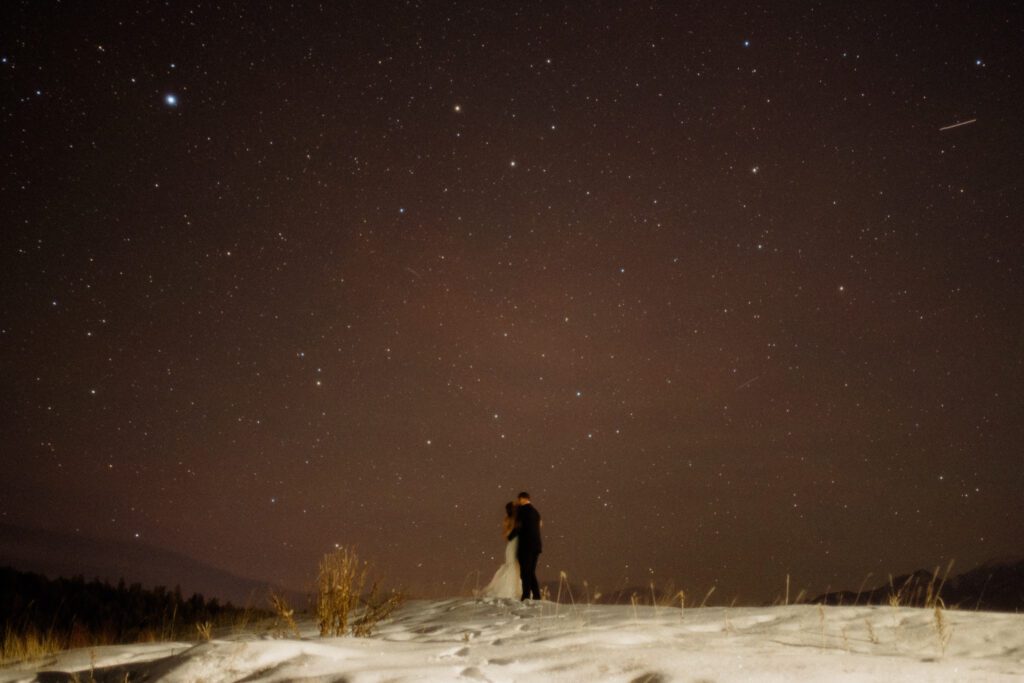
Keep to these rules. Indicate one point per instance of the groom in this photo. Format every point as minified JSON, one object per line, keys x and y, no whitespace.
{"x":527,"y":529}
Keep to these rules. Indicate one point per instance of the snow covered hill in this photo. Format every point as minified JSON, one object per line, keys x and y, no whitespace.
{"x":466,"y":639}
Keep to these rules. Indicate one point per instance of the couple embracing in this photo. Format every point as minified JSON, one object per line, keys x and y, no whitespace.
{"x":521,"y":530}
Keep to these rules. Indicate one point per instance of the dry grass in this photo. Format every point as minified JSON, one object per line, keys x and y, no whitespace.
{"x":872,"y":636}
{"x":943,"y":630}
{"x":340,"y":584}
{"x":285,"y":616}
{"x":933,"y":596}
{"x":246,"y":617}
{"x":895,"y":596}
{"x":911,"y":593}
{"x":29,"y":645}
{"x":376,"y":608}
{"x":205,"y":630}
{"x":821,"y":624}
{"x":340,"y":581}
{"x":563,"y":580}
{"x":861,"y":588}
{"x":784,"y":599}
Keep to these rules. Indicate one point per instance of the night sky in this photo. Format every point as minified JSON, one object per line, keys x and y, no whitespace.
{"x":708,"y":279}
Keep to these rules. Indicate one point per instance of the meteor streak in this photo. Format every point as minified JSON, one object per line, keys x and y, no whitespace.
{"x":957,"y":125}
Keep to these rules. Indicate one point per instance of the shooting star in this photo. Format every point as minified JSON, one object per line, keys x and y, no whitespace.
{"x":748,"y":383}
{"x":957,"y":125}
{"x":414,"y":273}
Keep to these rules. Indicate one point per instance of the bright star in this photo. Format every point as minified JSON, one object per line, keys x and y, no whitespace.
{"x":746,"y":43}
{"x":171,"y":100}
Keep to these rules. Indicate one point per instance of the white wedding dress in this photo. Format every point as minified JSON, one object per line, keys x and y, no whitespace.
{"x":506,"y":582}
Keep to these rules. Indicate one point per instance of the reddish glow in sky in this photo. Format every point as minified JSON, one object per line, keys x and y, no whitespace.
{"x":709,"y":281}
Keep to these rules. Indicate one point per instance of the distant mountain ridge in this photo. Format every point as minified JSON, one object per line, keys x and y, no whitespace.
{"x":57,"y":554}
{"x":996,"y":585}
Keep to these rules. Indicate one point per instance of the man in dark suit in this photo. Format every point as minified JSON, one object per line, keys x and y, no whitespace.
{"x":527,"y":530}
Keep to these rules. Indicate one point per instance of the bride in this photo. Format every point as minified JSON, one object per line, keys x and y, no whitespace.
{"x":506,"y":581}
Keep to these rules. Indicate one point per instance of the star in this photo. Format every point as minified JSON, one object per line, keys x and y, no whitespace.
{"x":171,"y":100}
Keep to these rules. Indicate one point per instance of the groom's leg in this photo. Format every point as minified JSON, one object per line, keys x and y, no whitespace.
{"x":528,"y":572}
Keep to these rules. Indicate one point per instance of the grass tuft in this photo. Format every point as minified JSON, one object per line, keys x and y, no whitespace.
{"x":563,"y":579}
{"x":205,"y":630}
{"x":285,"y":616}
{"x":376,"y":608}
{"x":340,"y":584}
{"x":29,"y":645}
{"x":943,"y":630}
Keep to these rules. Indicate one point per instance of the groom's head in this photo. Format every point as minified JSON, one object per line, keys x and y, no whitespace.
{"x":524,"y":498}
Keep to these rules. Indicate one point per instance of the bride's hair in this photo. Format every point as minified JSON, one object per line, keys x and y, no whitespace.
{"x":510,"y":509}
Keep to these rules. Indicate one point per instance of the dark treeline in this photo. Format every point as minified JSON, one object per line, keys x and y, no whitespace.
{"x":97,"y":611}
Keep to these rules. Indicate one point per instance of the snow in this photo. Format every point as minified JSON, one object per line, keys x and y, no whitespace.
{"x":504,"y":640}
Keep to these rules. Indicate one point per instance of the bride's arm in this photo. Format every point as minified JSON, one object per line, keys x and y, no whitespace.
{"x":510,"y":528}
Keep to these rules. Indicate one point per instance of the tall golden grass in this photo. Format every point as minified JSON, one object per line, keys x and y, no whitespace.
{"x":29,"y":645}
{"x":340,"y":583}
